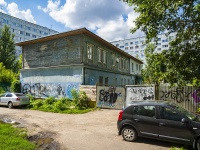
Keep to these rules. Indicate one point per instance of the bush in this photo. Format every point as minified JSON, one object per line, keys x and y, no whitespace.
{"x":49,"y":100}
{"x":36,"y":104}
{"x":16,"y":86}
{"x":80,"y":99}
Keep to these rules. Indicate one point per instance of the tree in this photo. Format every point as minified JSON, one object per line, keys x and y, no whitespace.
{"x":155,"y":68}
{"x":7,"y":49}
{"x":173,"y":16}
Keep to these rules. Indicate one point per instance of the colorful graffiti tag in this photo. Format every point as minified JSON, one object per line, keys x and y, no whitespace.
{"x":43,"y":90}
{"x":196,"y":96}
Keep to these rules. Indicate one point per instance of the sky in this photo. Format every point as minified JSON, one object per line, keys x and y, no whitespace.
{"x":109,"y":19}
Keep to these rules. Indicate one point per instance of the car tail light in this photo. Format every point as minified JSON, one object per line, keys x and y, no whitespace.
{"x":120,"y":115}
{"x":17,"y":98}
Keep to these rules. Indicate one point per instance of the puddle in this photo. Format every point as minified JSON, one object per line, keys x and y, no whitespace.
{"x":10,"y":121}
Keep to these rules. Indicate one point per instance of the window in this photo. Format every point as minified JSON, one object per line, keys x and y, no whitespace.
{"x":131,"y":43}
{"x":169,"y":114}
{"x":159,"y":49}
{"x":29,"y":28}
{"x":127,"y":66}
{"x":165,"y":40}
{"x":136,"y":42}
{"x":159,"y":44}
{"x":131,"y":47}
{"x":126,"y":48}
{"x":99,"y":54}
{"x":100,"y":80}
{"x":148,"y":111}
{"x":136,"y":46}
{"x":113,"y":60}
{"x":9,"y":95}
{"x":104,"y":57}
{"x":132,"y":64}
{"x":126,"y":44}
{"x":28,"y":34}
{"x":121,"y":47}
{"x":90,"y":48}
{"x":34,"y":36}
{"x":106,"y":81}
{"x":164,"y":46}
{"x":137,"y":67}
{"x":21,"y":32}
{"x":159,"y":39}
{"x":117,"y":45}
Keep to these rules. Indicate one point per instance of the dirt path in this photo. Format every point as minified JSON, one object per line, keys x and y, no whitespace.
{"x":91,"y":131}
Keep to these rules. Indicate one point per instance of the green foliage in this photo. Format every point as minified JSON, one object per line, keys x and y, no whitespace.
{"x":6,"y":75}
{"x":182,"y":18}
{"x":80,"y":99}
{"x":14,"y":138}
{"x":176,"y":148}
{"x":79,"y":104}
{"x":16,"y":86}
{"x":155,"y":69}
{"x":7,"y":49}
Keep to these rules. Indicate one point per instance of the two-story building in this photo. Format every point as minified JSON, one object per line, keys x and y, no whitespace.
{"x":53,"y":65}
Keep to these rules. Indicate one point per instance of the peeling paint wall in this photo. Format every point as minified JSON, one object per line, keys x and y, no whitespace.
{"x":56,"y":82}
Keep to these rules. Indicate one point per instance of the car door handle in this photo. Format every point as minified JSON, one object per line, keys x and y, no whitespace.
{"x":162,"y":124}
{"x":136,"y":120}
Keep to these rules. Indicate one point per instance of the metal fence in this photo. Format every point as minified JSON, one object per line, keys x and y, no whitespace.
{"x":187,"y":97}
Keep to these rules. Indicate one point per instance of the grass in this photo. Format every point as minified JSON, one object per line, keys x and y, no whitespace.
{"x":12,"y":138}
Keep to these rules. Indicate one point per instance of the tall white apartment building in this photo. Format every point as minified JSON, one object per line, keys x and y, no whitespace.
{"x":23,"y":30}
{"x":136,"y":46}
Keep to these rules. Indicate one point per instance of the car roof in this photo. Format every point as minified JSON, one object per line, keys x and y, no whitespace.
{"x":151,"y":102}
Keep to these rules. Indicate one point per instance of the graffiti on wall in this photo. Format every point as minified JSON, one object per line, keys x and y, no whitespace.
{"x":196,"y":96}
{"x":177,"y":94}
{"x":43,"y":90}
{"x":110,"y":96}
{"x":180,"y":94}
{"x":139,"y":93}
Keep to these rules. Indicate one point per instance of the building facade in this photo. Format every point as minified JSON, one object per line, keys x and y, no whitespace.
{"x":23,"y":30}
{"x":53,"y":65}
{"x":136,"y":46}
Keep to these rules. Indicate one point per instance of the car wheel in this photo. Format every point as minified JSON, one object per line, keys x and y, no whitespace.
{"x":198,"y":144}
{"x":10,"y":105}
{"x":129,"y":134}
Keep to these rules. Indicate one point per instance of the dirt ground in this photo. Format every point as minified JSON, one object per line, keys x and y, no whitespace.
{"x":91,"y":131}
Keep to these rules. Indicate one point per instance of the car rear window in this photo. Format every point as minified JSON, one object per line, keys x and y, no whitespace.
{"x":148,"y":111}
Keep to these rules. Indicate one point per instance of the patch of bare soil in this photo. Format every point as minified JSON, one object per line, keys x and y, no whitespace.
{"x":43,"y":139}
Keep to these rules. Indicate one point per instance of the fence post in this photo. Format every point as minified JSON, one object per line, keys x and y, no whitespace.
{"x":156,"y":91}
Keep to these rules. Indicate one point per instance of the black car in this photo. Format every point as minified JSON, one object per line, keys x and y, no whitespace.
{"x":160,"y":120}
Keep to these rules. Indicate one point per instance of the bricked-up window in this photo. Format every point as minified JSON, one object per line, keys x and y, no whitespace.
{"x":90,"y":49}
{"x":99,"y":54}
{"x":104,"y":57}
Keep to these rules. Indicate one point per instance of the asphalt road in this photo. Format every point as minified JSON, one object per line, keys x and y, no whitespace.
{"x":91,"y":131}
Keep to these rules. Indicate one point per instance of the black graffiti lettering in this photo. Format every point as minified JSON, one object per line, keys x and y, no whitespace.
{"x":178,"y":94}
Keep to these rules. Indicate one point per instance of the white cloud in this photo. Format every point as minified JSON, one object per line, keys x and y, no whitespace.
{"x":105,"y":17}
{"x":13,"y":10}
{"x":3,"y":3}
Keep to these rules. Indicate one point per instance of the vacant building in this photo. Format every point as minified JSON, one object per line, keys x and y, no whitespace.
{"x":53,"y":65}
